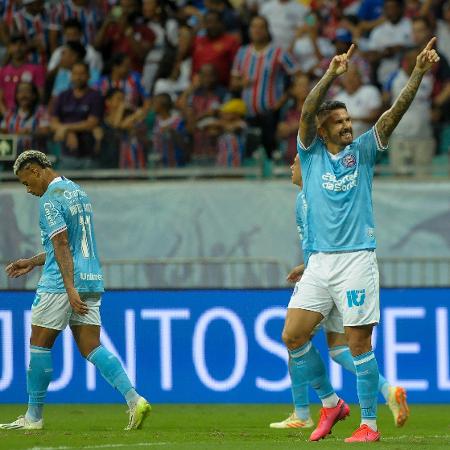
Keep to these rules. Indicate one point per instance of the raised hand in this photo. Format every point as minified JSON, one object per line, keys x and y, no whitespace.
{"x":339,"y":64}
{"x":19,"y":268}
{"x":427,"y":57}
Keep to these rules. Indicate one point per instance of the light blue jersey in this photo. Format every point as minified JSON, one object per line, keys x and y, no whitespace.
{"x":65,"y":206}
{"x":338,"y":191}
{"x":300,"y":217}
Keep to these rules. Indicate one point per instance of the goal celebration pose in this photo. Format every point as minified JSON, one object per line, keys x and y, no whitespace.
{"x":342,"y":270}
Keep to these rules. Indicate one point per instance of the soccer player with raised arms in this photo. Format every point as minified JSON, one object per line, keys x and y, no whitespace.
{"x":342,"y":270}
{"x":69,"y":290}
{"x":333,"y":327}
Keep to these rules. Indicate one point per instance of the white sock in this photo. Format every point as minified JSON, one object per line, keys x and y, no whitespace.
{"x":372,"y":423}
{"x":331,"y":401}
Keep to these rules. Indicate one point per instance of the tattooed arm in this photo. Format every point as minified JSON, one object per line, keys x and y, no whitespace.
{"x":307,"y":125}
{"x":390,"y":119}
{"x":64,"y":258}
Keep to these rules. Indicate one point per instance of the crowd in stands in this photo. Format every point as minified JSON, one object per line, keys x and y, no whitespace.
{"x":167,"y":83}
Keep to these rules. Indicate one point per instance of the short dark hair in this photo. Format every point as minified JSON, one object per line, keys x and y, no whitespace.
{"x":111,"y":92}
{"x":400,"y":3}
{"x":330,"y":105}
{"x":73,"y":23}
{"x":17,"y":37}
{"x":77,"y":48}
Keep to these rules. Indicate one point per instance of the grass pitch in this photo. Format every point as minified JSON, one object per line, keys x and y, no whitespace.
{"x":212,"y":427}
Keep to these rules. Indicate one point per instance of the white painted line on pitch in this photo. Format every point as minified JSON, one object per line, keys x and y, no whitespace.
{"x":409,"y":436}
{"x":137,"y":444}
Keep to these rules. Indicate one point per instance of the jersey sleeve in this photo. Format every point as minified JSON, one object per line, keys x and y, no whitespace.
{"x":369,"y":144}
{"x":302,"y":147}
{"x":52,"y":217}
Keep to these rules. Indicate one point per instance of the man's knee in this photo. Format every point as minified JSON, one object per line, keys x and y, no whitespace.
{"x":359,"y":339}
{"x":295,"y":340}
{"x":43,"y":337}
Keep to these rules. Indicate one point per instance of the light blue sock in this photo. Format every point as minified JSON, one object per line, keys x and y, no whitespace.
{"x":39,"y":375}
{"x":383,"y":387}
{"x":112,"y":371}
{"x":342,"y":355}
{"x":300,"y":392}
{"x":307,"y":365}
{"x":367,"y":376}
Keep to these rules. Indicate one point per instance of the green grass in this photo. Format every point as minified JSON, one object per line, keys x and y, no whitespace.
{"x":212,"y":427}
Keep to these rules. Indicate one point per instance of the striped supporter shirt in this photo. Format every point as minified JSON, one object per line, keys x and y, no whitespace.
{"x":267,"y":71}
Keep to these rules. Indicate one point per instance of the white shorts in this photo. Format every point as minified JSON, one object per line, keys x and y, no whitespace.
{"x":348,"y":281}
{"x":50,"y":310}
{"x":333,"y":322}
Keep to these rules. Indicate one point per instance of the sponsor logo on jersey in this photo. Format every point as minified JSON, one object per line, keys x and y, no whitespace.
{"x":347,"y":182}
{"x":349,"y":160}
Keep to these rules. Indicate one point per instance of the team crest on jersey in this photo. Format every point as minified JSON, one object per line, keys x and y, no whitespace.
{"x":349,"y":160}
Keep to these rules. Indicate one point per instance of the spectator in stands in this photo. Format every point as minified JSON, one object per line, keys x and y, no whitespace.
{"x":412,"y":144}
{"x":165,"y":30}
{"x":363,"y":101}
{"x":216,"y":47}
{"x":228,"y":16}
{"x":259,"y":71}
{"x":370,"y":15}
{"x":85,"y":11}
{"x":170,"y":143}
{"x":76,"y":113}
{"x":7,"y":10}
{"x":310,"y":48}
{"x":121,"y":76}
{"x":122,"y":134}
{"x":287,"y":129}
{"x":284,"y":17}
{"x":440,"y":72}
{"x":34,"y":21}
{"x":390,"y":40}
{"x":125,"y":31}
{"x":422,"y":32}
{"x":200,"y":102}
{"x":231,"y":139}
{"x":29,"y":120}
{"x":443,"y":31}
{"x":72,"y":32}
{"x":72,"y":53}
{"x":17,"y":70}
{"x":342,"y":41}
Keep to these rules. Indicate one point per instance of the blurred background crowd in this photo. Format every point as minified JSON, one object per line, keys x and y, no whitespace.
{"x":130,"y":84}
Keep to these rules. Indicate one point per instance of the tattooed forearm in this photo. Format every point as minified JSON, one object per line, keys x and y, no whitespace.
{"x":307,"y":125}
{"x":64,"y":258}
{"x":390,"y":119}
{"x":38,"y":260}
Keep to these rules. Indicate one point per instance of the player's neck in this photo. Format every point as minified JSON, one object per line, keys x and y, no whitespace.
{"x":334,"y":149}
{"x":48,"y":177}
